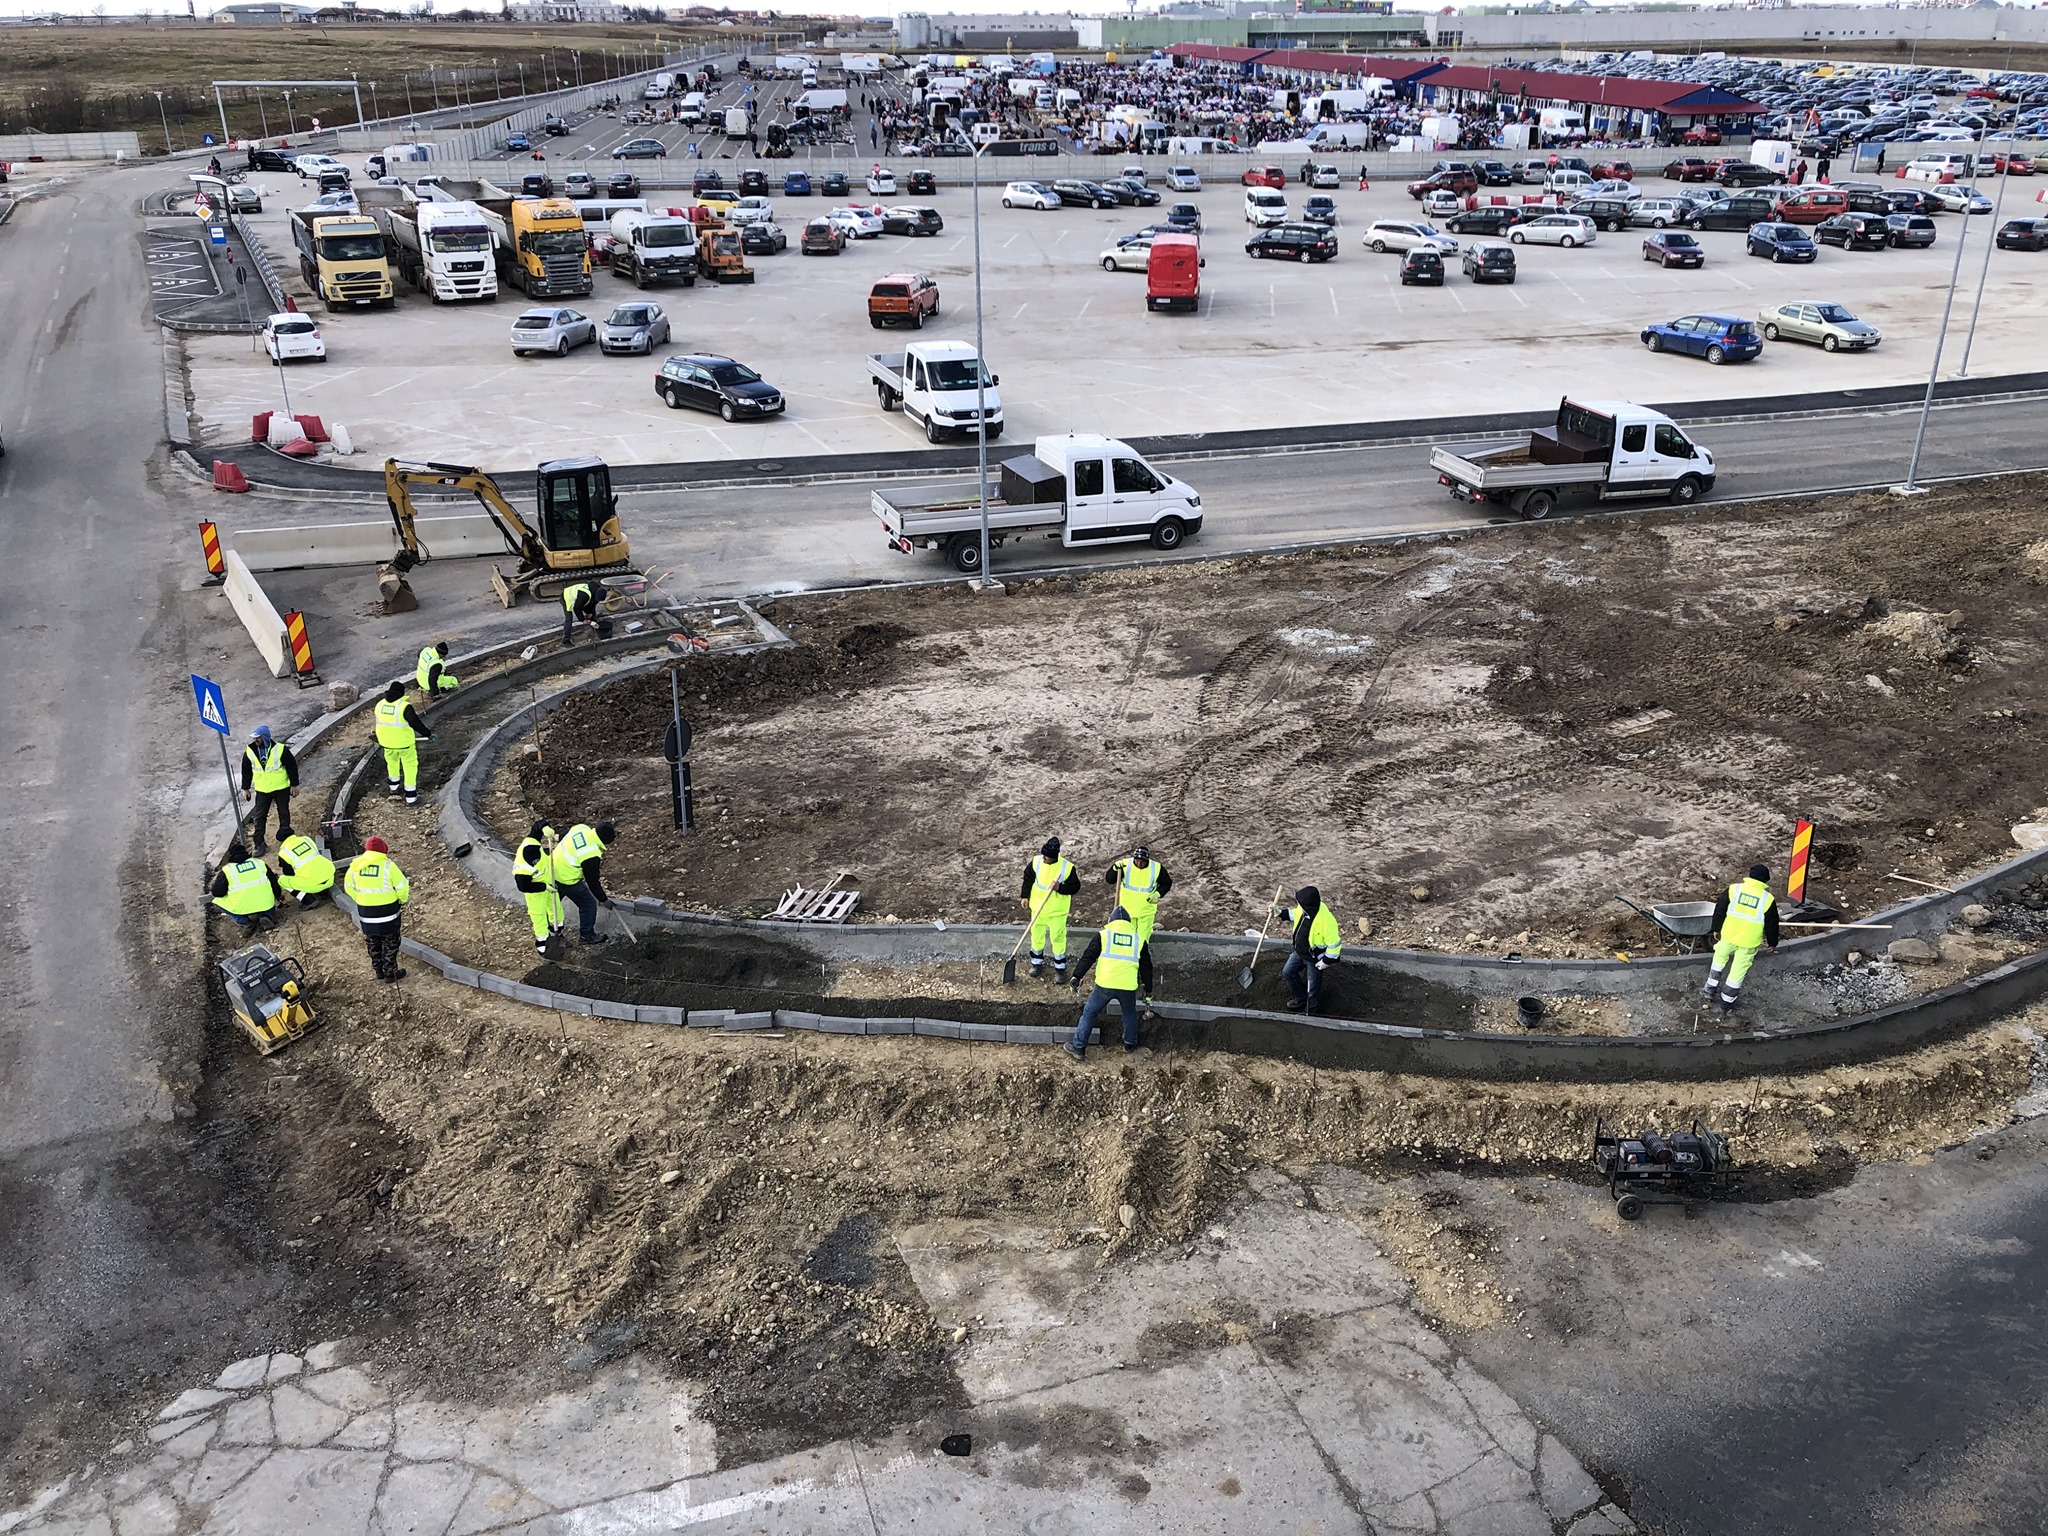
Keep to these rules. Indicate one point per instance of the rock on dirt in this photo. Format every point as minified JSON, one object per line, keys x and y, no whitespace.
{"x":1912,"y":952}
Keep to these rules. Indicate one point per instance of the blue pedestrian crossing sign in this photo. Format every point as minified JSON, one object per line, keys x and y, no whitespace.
{"x":213,"y":704}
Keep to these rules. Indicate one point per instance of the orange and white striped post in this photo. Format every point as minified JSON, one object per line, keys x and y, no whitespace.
{"x":302,"y":649}
{"x":216,"y":567}
{"x":1795,"y":872}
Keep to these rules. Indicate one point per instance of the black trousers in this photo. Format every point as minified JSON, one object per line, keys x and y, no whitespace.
{"x":260,"y":813}
{"x":382,"y":942}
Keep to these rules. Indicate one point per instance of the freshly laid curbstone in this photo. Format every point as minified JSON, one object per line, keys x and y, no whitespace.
{"x":710,"y":1018}
{"x":891,"y":1026}
{"x":674,"y":1017}
{"x":625,"y":1013}
{"x":751,"y":1021}
{"x":827,"y":1025}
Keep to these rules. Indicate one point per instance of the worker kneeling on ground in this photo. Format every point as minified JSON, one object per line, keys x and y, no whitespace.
{"x":245,"y":889}
{"x":576,"y":868}
{"x":1048,"y":890}
{"x":580,"y":601}
{"x":432,"y":674}
{"x":1123,"y":966}
{"x":530,"y":870}
{"x":303,"y":869}
{"x":1318,"y":940}
{"x":379,"y":889}
{"x":1745,"y":920}
{"x":399,"y":729}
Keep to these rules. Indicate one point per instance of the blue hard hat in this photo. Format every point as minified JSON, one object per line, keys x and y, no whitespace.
{"x":263,"y":731}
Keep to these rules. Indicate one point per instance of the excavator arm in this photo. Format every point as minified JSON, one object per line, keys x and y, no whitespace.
{"x":401,"y":475}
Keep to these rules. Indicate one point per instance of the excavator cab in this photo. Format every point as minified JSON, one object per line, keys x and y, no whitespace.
{"x":578,"y":514}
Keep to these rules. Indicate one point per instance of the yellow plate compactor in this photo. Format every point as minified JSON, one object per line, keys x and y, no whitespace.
{"x":268,"y":994}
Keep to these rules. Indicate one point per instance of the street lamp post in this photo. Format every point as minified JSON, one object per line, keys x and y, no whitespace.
{"x":497,"y":85}
{"x":980,"y":366}
{"x":291,"y":123}
{"x":1984,"y":273}
{"x":164,"y":120}
{"x":375,"y":114}
{"x":1912,"y":487}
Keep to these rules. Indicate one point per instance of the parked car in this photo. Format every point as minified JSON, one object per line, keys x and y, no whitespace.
{"x":1132,"y":253}
{"x":1492,"y":173}
{"x":1737,"y":212}
{"x":705,"y":181}
{"x":1262,"y":205}
{"x":1532,"y":173}
{"x":1914,"y":231}
{"x":796,"y":184}
{"x":2023,"y":235}
{"x":1674,"y":248}
{"x":311,"y":166}
{"x":1745,"y":173}
{"x":1489,"y":262}
{"x":1441,"y":202}
{"x":922,"y":184}
{"x":762,"y":239}
{"x":636,"y":327}
{"x":517,"y":141}
{"x":822,"y":237}
{"x":1484,"y":221}
{"x":332,"y":202}
{"x":243,"y":198}
{"x":1853,"y":232}
{"x":832,"y":184}
{"x":1609,"y":213}
{"x":1302,"y":242}
{"x":1566,"y":182}
{"x":1958,"y":198}
{"x":903,"y":298}
{"x":1702,"y":134}
{"x":1460,"y":182}
{"x":911,"y":219}
{"x":1613,"y":170}
{"x":1565,"y":229}
{"x":859,"y":222}
{"x":721,"y":198}
{"x":1717,"y":338}
{"x":1828,"y":326}
{"x":536,"y":184}
{"x":641,"y":149}
{"x":579,"y":184}
{"x":1405,"y":235}
{"x":1133,"y":193}
{"x":271,"y":160}
{"x":1781,"y":242}
{"x":1689,"y":168}
{"x":1810,"y":205}
{"x":2013,"y":164}
{"x":1425,"y":265}
{"x":1323,"y":175}
{"x":551,"y":329}
{"x":708,"y":383}
{"x":1263,"y":176}
{"x":753,"y":182}
{"x":1075,"y":193}
{"x":882,"y":183}
{"x":293,"y":335}
{"x":1320,"y":210}
{"x":751,"y":210}
{"x":1183,"y":178}
{"x":1030,"y":194}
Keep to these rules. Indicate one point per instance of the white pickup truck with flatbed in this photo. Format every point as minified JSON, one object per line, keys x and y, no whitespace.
{"x":1078,"y":488}
{"x":1609,"y":448}
{"x":934,"y":384}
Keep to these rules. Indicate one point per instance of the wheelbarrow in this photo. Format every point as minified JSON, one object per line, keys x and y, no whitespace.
{"x":1684,"y":924}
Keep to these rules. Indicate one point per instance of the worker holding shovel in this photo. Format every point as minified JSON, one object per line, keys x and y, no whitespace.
{"x":532,"y":875}
{"x":1318,"y":940}
{"x":1048,"y":891}
{"x":1745,"y":919}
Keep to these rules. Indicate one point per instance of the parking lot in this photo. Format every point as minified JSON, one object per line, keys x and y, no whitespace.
{"x":1273,"y":344}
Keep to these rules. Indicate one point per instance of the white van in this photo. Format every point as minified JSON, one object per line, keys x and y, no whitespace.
{"x":692,"y":108}
{"x":1567,"y":183}
{"x":1264,"y":206}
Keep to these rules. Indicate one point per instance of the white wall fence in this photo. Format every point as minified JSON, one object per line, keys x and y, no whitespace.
{"x":69,"y":146}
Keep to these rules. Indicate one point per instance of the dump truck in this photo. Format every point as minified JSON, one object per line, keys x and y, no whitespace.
{"x":934,"y":383}
{"x":1608,"y":449}
{"x":341,"y":257}
{"x":443,"y":249}
{"x":541,"y":246}
{"x":1078,"y":488}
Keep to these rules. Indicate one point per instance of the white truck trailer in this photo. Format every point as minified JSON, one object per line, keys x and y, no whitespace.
{"x":442,"y":249}
{"x":1605,"y":448}
{"x":1080,"y":489}
{"x":934,"y":383}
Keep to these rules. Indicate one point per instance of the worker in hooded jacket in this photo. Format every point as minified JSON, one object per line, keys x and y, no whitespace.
{"x":1318,"y":940}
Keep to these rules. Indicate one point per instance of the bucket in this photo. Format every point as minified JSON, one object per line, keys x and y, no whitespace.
{"x":1529,"y":1012}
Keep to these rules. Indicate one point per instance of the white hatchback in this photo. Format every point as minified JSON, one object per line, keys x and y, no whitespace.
{"x":293,"y":335}
{"x":1406,"y":235}
{"x":1029,"y":194}
{"x":1264,"y":206}
{"x":882,"y":183}
{"x":1565,"y":229}
{"x":857,"y":222}
{"x":1443,"y":202}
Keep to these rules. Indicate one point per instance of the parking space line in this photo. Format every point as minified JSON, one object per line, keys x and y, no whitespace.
{"x":1020,"y":310}
{"x":1333,"y":302}
{"x":1455,"y":299}
{"x":1738,"y":282}
{"x":1084,"y":310}
{"x":1517,"y":297}
{"x":1568,"y":288}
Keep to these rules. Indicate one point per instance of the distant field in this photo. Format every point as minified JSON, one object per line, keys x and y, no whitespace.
{"x":61,"y":79}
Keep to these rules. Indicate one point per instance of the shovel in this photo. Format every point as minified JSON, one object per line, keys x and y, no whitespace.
{"x":1010,"y":965}
{"x":624,"y":926}
{"x":1244,"y":977}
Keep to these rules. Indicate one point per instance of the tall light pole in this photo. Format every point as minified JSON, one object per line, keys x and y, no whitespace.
{"x":1984,"y":274}
{"x":291,"y":123}
{"x":1912,"y":487}
{"x":497,"y":85}
{"x":166,"y":121}
{"x":980,"y":356}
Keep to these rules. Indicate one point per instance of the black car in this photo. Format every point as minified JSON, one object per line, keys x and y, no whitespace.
{"x":716,"y":384}
{"x":1853,"y":232}
{"x":1734,"y":212}
{"x":1492,"y":173}
{"x":1875,"y":200}
{"x":1908,"y":200}
{"x":1608,"y":213}
{"x":1742,"y":173}
{"x":536,"y":184}
{"x":705,"y":181}
{"x":1184,"y":216}
{"x":1137,"y":194}
{"x":622,"y":184}
{"x":762,"y":238}
{"x":1489,"y":263}
{"x":1084,"y":194}
{"x":270,"y":160}
{"x":832,"y":184}
{"x":1424,"y":264}
{"x":912,"y":221}
{"x":922,"y":184}
{"x":753,"y":183}
{"x":1483,"y":221}
{"x":2023,"y":235}
{"x":1303,"y":242}
{"x":641,"y":149}
{"x":1912,"y":230}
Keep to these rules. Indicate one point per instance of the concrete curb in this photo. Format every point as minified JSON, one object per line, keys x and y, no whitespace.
{"x":177,"y":408}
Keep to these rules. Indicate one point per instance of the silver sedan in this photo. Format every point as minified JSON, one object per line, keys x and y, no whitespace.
{"x":551,"y":330}
{"x":637,"y":328}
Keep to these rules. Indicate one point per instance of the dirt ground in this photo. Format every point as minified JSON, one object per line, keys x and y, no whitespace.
{"x":727,"y":1201}
{"x":1517,"y":726}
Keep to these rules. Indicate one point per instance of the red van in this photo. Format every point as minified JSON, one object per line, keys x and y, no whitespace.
{"x":1173,"y":273}
{"x":1809,"y":205}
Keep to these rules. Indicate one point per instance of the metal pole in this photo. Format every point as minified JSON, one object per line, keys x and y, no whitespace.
{"x":980,"y":371}
{"x":224,"y":135}
{"x":291,"y":122}
{"x":1984,"y":273}
{"x":234,"y":791}
{"x":164,"y":120}
{"x":361,"y":127}
{"x":1912,"y":487}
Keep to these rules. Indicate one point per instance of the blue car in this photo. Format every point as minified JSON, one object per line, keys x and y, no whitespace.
{"x":1717,"y":338}
{"x":796,"y":184}
{"x":517,"y":141}
{"x":1782,"y":242}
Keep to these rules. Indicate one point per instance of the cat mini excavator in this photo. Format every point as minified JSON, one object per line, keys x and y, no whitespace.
{"x":578,"y":537}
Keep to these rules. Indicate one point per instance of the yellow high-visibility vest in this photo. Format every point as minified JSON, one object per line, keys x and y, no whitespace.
{"x":266,"y":769}
{"x":1117,"y":967}
{"x":1747,"y":903}
{"x":392,"y":731}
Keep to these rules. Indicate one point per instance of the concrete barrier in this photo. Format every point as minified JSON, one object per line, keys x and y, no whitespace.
{"x":465,"y":534}
{"x":261,"y":619}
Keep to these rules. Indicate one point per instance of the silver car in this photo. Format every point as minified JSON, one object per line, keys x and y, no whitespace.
{"x":1658,"y":212}
{"x":1133,"y":253}
{"x":1565,"y":229}
{"x":1407,"y":235}
{"x":551,"y":330}
{"x":636,"y":328}
{"x":1828,"y":326}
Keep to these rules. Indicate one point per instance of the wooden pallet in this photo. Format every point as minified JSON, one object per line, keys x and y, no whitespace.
{"x":821,"y":906}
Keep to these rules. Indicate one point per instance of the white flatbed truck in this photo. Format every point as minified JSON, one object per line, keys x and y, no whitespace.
{"x":1607,"y":448}
{"x":933,"y":383}
{"x":1078,"y":488}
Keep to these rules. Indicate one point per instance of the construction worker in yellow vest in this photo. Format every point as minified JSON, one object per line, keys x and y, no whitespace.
{"x":1123,"y":967}
{"x":531,"y":869}
{"x":399,"y":729}
{"x":579,"y":601}
{"x":1318,"y":940}
{"x":1048,"y":894}
{"x":576,"y":870}
{"x":303,"y":869}
{"x":1140,"y":881}
{"x":431,"y":673}
{"x":269,"y":774}
{"x":1745,"y":920}
{"x":245,"y":889}
{"x":379,"y":890}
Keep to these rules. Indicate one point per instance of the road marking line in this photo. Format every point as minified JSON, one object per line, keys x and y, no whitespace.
{"x":1455,"y":299}
{"x":1333,"y":301}
{"x":1084,"y":306}
{"x":1020,"y":310}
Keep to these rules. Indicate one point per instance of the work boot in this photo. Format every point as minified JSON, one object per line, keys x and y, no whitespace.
{"x":540,"y":947}
{"x":598,"y":938}
{"x":1296,"y":1005}
{"x":394,"y":788}
{"x":1081,"y":1056}
{"x":412,"y":797}
{"x":260,"y":846}
{"x":1037,"y":966}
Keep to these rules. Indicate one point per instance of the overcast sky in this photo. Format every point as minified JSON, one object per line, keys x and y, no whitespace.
{"x":952,"y":7}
